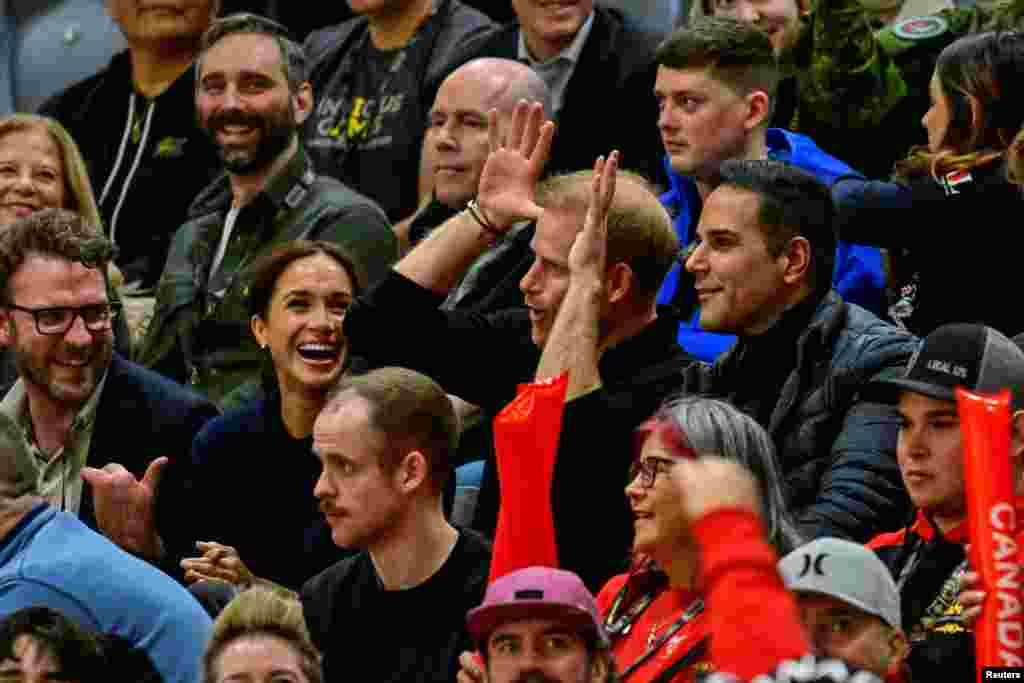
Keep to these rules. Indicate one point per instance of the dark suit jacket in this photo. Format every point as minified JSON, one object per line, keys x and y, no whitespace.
{"x":609,"y":102}
{"x":141,"y":416}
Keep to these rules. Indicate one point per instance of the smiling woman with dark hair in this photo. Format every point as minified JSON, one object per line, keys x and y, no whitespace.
{"x":254,"y":468}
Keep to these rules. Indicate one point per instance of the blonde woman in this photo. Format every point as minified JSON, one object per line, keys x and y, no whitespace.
{"x":259,"y":633}
{"x":42,"y":168}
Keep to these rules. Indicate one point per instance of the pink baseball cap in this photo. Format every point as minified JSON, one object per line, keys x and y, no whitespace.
{"x":537,"y":593}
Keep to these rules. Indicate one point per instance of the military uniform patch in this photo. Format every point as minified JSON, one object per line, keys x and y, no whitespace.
{"x":920,"y":28}
{"x":953,"y":179}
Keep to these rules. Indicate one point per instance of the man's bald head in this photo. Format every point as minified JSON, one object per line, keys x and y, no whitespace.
{"x":509,"y":81}
{"x":457,"y":139}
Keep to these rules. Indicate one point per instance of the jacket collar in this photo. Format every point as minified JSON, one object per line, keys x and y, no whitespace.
{"x":924,"y":528}
{"x":284,"y":190}
{"x":654,"y":343}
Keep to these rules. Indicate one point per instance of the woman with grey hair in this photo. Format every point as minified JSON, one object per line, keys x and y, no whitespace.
{"x":655,"y":613}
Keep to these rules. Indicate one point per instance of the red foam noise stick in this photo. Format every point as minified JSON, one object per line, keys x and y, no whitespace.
{"x":526,"y":434}
{"x":992,"y":525}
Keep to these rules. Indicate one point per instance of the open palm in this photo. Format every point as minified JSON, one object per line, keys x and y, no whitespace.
{"x":509,"y":178}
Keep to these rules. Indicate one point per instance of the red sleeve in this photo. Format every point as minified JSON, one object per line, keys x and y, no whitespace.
{"x":753,"y":618}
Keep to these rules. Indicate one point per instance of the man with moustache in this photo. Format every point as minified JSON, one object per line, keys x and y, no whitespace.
{"x":251,"y":99}
{"x":135,"y":124}
{"x":76,"y":401}
{"x":387,"y":441}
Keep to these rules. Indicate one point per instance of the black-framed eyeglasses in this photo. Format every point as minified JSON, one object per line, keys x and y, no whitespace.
{"x":648,"y":469}
{"x":59,"y":319}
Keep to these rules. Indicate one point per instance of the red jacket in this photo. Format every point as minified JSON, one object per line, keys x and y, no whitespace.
{"x":753,"y":619}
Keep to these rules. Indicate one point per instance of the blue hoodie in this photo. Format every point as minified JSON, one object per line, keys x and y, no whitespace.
{"x":858,"y":275}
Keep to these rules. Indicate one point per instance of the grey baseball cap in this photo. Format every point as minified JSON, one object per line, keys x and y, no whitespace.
{"x":966,"y":355}
{"x":845,"y":571}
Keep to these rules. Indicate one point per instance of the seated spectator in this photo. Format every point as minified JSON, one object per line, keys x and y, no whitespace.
{"x":638,"y":358}
{"x":268,"y":195}
{"x":50,"y":559}
{"x":541,"y":622}
{"x":41,"y":644}
{"x":76,"y":401}
{"x":841,"y":86}
{"x":43,"y":169}
{"x":297,"y":300}
{"x":976,"y":111}
{"x":655,"y":614}
{"x":386,"y":440}
{"x":457,"y":142}
{"x":49,"y":46}
{"x":716,"y":87}
{"x":765,"y":245}
{"x":136,"y":123}
{"x":457,"y":146}
{"x":927,"y":558}
{"x":754,"y":624}
{"x":374,"y":78}
{"x":597,"y":61}
{"x":849,"y":606}
{"x":261,"y":636}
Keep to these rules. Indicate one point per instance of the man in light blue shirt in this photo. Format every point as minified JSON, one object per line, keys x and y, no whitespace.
{"x":49,"y":558}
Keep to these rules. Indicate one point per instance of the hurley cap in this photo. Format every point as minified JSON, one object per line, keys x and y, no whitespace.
{"x":845,"y":571}
{"x":537,"y":593}
{"x":975,"y":357}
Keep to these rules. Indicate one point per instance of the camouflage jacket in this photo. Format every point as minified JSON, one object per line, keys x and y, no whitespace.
{"x":202,"y":336}
{"x":845,"y":83}
{"x":862,"y":89}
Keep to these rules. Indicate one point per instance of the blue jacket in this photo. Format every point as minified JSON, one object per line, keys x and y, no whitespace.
{"x":858,"y":275}
{"x":51,"y":559}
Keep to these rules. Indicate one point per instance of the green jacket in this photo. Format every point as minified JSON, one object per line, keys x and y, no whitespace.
{"x":857,"y":84}
{"x":203,"y":337}
{"x":845,"y":83}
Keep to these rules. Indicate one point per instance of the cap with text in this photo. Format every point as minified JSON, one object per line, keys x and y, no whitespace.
{"x":974,"y":357}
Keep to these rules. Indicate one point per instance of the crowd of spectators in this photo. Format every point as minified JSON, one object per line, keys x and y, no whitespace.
{"x":501,"y":341}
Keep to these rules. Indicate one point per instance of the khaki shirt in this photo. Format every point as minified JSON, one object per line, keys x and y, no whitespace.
{"x":58,"y":474}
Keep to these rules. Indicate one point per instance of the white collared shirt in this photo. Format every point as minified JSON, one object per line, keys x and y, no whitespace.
{"x":557,"y":71}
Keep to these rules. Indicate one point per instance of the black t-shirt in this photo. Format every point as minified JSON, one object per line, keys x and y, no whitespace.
{"x":367,"y":128}
{"x":407,"y":635}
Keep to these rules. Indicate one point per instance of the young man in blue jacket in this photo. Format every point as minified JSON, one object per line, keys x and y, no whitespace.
{"x":716,"y":89}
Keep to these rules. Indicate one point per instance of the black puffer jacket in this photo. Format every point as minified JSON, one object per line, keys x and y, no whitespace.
{"x":836,"y":449}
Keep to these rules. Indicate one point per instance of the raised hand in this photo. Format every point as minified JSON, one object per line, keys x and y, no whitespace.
{"x":590,"y":247}
{"x":220,"y":563}
{"x":509,"y":178}
{"x":710,"y":483}
{"x":124,"y":506}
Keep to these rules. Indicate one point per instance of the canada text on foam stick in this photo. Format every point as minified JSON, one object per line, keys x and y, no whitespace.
{"x":1007,"y":593}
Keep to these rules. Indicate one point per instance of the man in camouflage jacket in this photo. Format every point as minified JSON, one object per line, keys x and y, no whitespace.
{"x":251,"y":99}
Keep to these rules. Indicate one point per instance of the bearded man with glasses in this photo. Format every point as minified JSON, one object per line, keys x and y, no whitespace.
{"x":78,"y":403}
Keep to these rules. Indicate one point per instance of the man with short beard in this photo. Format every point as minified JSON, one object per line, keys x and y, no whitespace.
{"x":251,"y":99}
{"x":78,"y":403}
